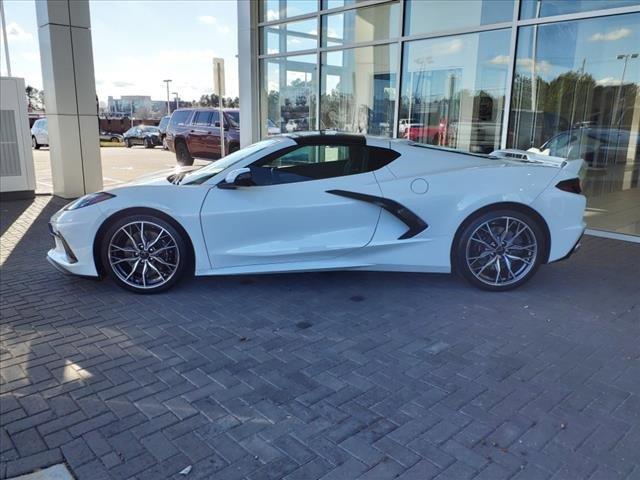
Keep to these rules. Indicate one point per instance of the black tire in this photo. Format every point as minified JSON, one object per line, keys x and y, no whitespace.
{"x":234,"y":147}
{"x":115,"y":139}
{"x":34,"y":143}
{"x":127,"y":143}
{"x":183,"y":156}
{"x":148,"y":143}
{"x":179,"y":253}
{"x":497,"y":252}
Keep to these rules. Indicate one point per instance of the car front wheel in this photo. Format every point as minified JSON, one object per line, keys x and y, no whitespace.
{"x":499,"y":250}
{"x":182,"y":154}
{"x":144,"y":253}
{"x":34,"y":143}
{"x":127,"y":143}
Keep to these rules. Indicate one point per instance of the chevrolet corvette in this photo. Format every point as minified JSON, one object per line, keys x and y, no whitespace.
{"x":319,"y":201}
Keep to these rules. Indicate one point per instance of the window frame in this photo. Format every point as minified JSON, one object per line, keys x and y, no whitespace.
{"x":364,"y":162}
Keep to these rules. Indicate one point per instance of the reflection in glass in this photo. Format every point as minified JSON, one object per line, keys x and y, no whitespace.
{"x":279,"y":9}
{"x":361,"y":25}
{"x":438,"y":15}
{"x":576,"y":94}
{"x":326,"y":4}
{"x":289,"y":37}
{"x":546,"y":8}
{"x":288,"y":94}
{"x":358,"y":89}
{"x":453,"y":90}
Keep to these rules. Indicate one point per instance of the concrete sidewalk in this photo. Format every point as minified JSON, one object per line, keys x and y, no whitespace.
{"x":338,"y":375}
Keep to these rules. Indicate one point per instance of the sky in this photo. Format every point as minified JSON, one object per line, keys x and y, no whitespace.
{"x":139,"y":43}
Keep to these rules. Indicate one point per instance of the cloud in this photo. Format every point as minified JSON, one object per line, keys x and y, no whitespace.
{"x":31,"y":56}
{"x":608,"y":82}
{"x":207,"y":19}
{"x":452,"y":46}
{"x":611,"y":36}
{"x":500,"y":60}
{"x":223,"y":29}
{"x":541,"y":66}
{"x":121,"y":83}
{"x":272,"y":15}
{"x":15,"y":33}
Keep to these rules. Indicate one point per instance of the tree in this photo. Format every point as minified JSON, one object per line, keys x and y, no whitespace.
{"x":35,"y":98}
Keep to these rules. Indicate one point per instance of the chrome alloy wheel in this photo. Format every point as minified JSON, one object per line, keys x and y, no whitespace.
{"x":501,"y":251}
{"x":143,"y":254}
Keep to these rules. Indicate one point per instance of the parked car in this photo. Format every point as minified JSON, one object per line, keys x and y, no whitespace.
{"x":40,"y":133}
{"x":404,"y":124}
{"x":195,"y":133}
{"x":326,"y":201}
{"x":598,"y":146}
{"x":146,"y":135}
{"x":162,"y":126}
{"x":110,"y":137}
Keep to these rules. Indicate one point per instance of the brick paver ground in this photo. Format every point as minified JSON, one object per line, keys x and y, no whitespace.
{"x":332,"y":375}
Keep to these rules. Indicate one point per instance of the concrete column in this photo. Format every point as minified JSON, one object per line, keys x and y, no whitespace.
{"x":248,"y":73}
{"x":70,"y":96}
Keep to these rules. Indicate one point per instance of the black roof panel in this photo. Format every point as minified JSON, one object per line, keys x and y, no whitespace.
{"x":322,"y":137}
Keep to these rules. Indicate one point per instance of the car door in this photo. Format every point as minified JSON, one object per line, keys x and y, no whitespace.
{"x":212,"y":139}
{"x":42,"y":134}
{"x":289,"y":213}
{"x":198,"y":131}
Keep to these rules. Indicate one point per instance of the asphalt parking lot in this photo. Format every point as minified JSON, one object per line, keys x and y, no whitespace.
{"x":119,"y":165}
{"x":337,"y":375}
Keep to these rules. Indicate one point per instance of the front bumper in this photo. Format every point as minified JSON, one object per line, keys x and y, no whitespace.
{"x":73,"y":250}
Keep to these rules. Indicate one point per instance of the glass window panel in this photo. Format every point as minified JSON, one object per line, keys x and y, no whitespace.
{"x":326,"y":4}
{"x":546,"y":8}
{"x":576,"y":94}
{"x":358,"y":89}
{"x":289,"y":37}
{"x":438,"y":15}
{"x":453,"y":90}
{"x":361,"y":25}
{"x":279,"y":9}
{"x":288,"y":95}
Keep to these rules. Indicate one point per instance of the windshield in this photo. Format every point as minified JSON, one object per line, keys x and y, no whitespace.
{"x":201,"y":175}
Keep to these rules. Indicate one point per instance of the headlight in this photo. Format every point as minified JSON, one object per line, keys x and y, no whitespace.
{"x":90,"y":199}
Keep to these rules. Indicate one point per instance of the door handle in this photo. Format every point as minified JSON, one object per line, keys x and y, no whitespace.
{"x":192,"y":131}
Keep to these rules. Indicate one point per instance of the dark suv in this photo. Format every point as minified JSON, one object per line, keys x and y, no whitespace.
{"x":195,"y":132}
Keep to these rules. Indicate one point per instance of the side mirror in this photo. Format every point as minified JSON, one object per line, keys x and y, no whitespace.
{"x":240,"y":177}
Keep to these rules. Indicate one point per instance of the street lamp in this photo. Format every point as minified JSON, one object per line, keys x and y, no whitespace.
{"x":626,"y":57}
{"x":168,"y":81}
{"x":176,"y":94}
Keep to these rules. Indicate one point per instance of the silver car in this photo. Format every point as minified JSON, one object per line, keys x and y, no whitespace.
{"x":40,"y":134}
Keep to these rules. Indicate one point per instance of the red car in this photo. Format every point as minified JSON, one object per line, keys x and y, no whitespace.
{"x":195,"y":132}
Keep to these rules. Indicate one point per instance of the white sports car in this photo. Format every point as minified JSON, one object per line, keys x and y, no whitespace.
{"x":319,"y":201}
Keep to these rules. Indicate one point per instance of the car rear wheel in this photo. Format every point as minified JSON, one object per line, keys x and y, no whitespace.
{"x":182,"y":154}
{"x":144,"y":253}
{"x":34,"y":143}
{"x":499,"y":250}
{"x":148,"y":143}
{"x":114,"y":140}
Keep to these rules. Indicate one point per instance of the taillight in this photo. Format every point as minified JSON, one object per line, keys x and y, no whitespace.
{"x":572,"y":185}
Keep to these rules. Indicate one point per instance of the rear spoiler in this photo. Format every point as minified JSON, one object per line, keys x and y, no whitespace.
{"x":574,"y":165}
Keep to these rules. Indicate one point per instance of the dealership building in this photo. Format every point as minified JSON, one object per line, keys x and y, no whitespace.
{"x":558,"y":76}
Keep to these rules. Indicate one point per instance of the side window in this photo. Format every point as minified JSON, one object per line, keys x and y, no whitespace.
{"x":179,"y":117}
{"x":309,"y":162}
{"x":202,"y":118}
{"x":215,"y":116}
{"x":378,"y":157}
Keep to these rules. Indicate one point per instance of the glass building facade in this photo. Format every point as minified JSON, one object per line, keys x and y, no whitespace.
{"x":556,"y":76}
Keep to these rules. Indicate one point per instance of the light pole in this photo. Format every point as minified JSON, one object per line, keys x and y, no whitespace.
{"x":176,"y":95}
{"x":626,"y":58}
{"x":168,"y":81}
{"x":5,"y":39}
